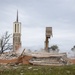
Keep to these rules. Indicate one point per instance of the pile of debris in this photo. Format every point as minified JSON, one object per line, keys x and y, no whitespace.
{"x":9,"y":55}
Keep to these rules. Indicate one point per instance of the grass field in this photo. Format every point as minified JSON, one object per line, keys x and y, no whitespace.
{"x":37,"y":70}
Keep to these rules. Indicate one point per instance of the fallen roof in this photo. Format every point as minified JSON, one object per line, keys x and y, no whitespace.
{"x":45,"y":54}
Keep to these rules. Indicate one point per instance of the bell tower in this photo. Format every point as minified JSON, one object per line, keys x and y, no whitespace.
{"x":16,"y":34}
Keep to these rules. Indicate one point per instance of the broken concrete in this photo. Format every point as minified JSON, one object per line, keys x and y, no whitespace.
{"x":9,"y":56}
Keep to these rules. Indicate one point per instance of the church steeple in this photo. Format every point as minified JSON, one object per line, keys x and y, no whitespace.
{"x":17,"y":17}
{"x":16,"y":34}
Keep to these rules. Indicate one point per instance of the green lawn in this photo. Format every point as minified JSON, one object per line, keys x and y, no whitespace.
{"x":37,"y":70}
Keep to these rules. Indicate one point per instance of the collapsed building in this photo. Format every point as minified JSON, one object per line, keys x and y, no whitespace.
{"x":40,"y":58}
{"x":15,"y":58}
{"x":48,"y":35}
{"x":49,"y":57}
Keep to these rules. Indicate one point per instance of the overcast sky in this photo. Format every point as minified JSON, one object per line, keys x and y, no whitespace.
{"x":35,"y":15}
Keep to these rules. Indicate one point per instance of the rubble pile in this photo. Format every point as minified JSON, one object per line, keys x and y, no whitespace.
{"x":9,"y":56}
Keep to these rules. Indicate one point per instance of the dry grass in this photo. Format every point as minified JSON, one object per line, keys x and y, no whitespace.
{"x":37,"y":70}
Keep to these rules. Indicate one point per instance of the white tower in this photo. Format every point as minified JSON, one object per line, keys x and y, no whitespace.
{"x":16,"y":34}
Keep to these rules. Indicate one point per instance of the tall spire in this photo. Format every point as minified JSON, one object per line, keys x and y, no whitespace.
{"x":17,"y":16}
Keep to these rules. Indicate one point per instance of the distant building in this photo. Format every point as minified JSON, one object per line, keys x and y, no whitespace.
{"x":16,"y":34}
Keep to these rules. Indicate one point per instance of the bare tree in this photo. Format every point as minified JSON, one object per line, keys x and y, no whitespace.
{"x":4,"y":42}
